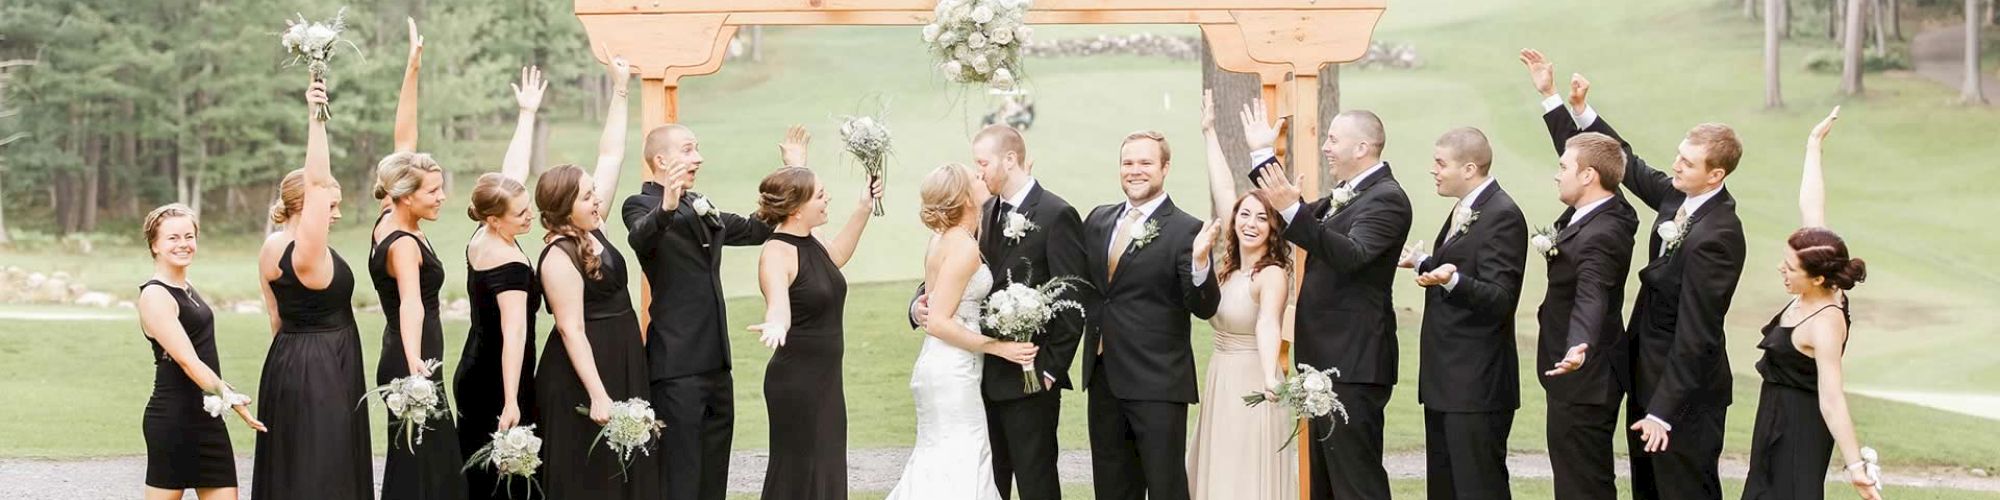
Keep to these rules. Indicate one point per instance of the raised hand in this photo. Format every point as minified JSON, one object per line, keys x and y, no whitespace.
{"x":416,"y":39}
{"x":1412,"y":255}
{"x":1579,"y":88}
{"x":873,"y":193}
{"x":1825,"y":126}
{"x":1540,"y":70}
{"x":1654,"y":434}
{"x":675,"y":182}
{"x":792,"y":150}
{"x":1258,"y":129}
{"x":1207,"y":110}
{"x":1571,"y":362}
{"x":1205,"y":241}
{"x":1276,"y":185}
{"x":316,"y":97}
{"x":618,"y":69}
{"x":528,"y":93}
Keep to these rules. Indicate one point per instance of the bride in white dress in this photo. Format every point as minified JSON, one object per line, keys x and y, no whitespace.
{"x":952,"y":458}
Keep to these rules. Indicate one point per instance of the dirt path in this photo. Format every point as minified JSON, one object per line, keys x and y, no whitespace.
{"x":1939,"y":54}
{"x":868,"y":470}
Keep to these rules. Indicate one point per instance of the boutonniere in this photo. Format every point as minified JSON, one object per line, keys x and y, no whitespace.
{"x":1671,"y":234}
{"x":1341,"y":196}
{"x":1146,"y":234}
{"x":1017,"y":227}
{"x":1462,"y":220}
{"x":703,"y":207}
{"x":1544,"y":241}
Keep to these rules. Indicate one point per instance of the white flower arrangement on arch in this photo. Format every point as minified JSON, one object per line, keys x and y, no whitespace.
{"x":979,"y":41}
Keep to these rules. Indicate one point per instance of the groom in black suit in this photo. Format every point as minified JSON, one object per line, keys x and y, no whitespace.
{"x":1139,"y":362}
{"x":677,"y":236}
{"x":1467,"y":379}
{"x":1345,"y":316}
{"x":1031,"y":236}
{"x":1678,"y":363}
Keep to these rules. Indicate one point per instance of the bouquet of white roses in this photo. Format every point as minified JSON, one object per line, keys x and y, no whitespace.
{"x":514,"y":453}
{"x":413,"y":400}
{"x":980,"y":41}
{"x":1019,"y":312}
{"x":1308,"y":394}
{"x":313,"y":44}
{"x":224,"y":398}
{"x":868,"y":140}
{"x":632,"y":427}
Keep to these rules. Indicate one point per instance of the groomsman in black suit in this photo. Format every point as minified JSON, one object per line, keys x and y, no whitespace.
{"x":1345,"y":317}
{"x":677,"y":236}
{"x":1031,"y":236}
{"x":1467,"y":379}
{"x":1139,"y":360}
{"x":1678,"y":363}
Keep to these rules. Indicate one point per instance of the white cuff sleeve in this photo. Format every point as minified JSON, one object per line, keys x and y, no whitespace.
{"x":1292,"y":212}
{"x":1586,"y":118}
{"x":1551,"y":103}
{"x":1663,"y":423}
{"x":1449,"y":285}
{"x":1262,"y":155}
{"x":1201,"y":271}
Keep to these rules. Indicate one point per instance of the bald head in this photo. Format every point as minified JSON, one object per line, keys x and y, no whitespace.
{"x":664,"y":141}
{"x":1353,"y":142}
{"x":1465,"y":145}
{"x":1362,"y":125}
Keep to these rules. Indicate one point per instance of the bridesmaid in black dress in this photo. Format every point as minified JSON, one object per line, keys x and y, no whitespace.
{"x":494,"y":380}
{"x":407,"y":275}
{"x":1802,"y":409}
{"x":804,"y":297}
{"x":185,"y":447}
{"x":596,"y":354}
{"x":312,"y":384}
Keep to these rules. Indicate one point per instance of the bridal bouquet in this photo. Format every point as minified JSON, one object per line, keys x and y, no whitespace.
{"x":414,"y":400}
{"x":980,"y":41}
{"x":632,"y":427}
{"x":1019,"y":312}
{"x":1308,"y":394}
{"x":514,"y":453}
{"x":313,"y":44}
{"x":222,"y":400}
{"x":868,"y":140}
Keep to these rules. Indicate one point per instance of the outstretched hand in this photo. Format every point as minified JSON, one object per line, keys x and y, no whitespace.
{"x":1412,"y":255}
{"x":528,"y":93}
{"x":773,"y":334}
{"x":1540,"y":70}
{"x":792,"y":150}
{"x":1654,"y":434}
{"x":1258,"y":129}
{"x":243,"y":411}
{"x":1825,"y":126}
{"x":1437,"y":277}
{"x":1571,"y":362}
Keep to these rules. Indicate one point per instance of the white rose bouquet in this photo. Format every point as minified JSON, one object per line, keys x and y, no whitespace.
{"x":868,"y":140}
{"x":413,"y":401}
{"x":980,"y":41}
{"x":222,"y":400}
{"x":1019,"y":312}
{"x":515,"y":453}
{"x":313,"y":44}
{"x":633,"y":427}
{"x":1308,"y":394}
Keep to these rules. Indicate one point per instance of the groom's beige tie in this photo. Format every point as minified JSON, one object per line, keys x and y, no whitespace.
{"x":1121,"y":241}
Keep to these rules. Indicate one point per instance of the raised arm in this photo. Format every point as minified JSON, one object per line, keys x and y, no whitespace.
{"x":310,"y":258}
{"x":1221,"y":184}
{"x":776,"y":268}
{"x":159,"y":315}
{"x":611,"y":145}
{"x":564,"y":285}
{"x":843,"y":244}
{"x":1812,"y":185}
{"x":406,"y":100}
{"x":528,"y":99}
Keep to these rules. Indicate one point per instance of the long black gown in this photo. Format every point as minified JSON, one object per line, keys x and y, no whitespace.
{"x":802,"y":385}
{"x":570,"y":467}
{"x":186,"y":448}
{"x":311,"y":394}
{"x":1790,"y":445}
{"x":479,"y":383}
{"x":430,"y":469}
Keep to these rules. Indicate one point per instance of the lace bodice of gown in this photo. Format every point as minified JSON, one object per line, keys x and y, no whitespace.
{"x":971,"y":303}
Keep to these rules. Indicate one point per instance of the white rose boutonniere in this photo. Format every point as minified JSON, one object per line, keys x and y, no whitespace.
{"x":1671,"y":234}
{"x":1146,"y":234}
{"x":1462,"y":219}
{"x":703,"y":207}
{"x":1017,"y":227}
{"x":1544,"y":241}
{"x":1341,"y":196}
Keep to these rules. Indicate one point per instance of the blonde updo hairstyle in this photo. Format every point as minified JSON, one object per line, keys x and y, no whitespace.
{"x":402,"y":173}
{"x":292,"y":196}
{"x":782,"y":193}
{"x":947,"y":196}
{"x":151,"y":224}
{"x":492,"y":195}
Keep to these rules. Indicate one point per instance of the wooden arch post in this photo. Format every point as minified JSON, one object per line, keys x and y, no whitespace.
{"x":1285,"y":42}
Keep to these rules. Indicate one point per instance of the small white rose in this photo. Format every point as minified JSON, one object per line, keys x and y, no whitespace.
{"x":1000,"y":36}
{"x":981,"y":65}
{"x":1018,"y":225}
{"x":982,"y":14}
{"x":947,"y":37}
{"x":1543,"y":245}
{"x":931,"y":32}
{"x":976,"y":40}
{"x":953,"y":71}
{"x":1024,"y":34}
{"x":1670,"y":232}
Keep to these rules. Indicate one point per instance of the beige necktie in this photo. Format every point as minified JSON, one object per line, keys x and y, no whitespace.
{"x":1123,"y":239}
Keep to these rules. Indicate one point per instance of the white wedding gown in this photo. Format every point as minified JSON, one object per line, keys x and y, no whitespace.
{"x":952,"y":459}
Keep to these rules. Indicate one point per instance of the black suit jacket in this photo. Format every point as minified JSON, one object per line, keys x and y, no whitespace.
{"x":1054,"y":248}
{"x":1345,"y":316}
{"x":1468,"y":358}
{"x":681,"y":252}
{"x":1677,"y":363}
{"x":1585,"y":301}
{"x":1142,"y":318}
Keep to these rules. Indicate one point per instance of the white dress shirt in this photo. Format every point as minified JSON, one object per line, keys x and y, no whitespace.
{"x":1589,"y":207}
{"x":1020,"y":196}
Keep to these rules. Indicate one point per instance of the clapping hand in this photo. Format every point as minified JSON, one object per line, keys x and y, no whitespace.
{"x":1205,"y":240}
{"x":1653,"y":433}
{"x":1412,"y":255}
{"x":1541,"y":71}
{"x":528,"y":93}
{"x":1571,"y":362}
{"x":1437,"y":277}
{"x":1825,"y":126}
{"x":792,"y":150}
{"x":1278,"y":187}
{"x":773,"y":334}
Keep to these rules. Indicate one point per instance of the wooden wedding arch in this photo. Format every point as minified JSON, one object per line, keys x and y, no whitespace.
{"x":1283,"y":42}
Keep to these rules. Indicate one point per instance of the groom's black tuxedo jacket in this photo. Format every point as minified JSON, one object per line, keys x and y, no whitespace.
{"x":1345,"y":317}
{"x":1585,"y":301}
{"x":1678,"y":363}
{"x":681,"y":253}
{"x":1467,"y":357}
{"x":1142,"y":319}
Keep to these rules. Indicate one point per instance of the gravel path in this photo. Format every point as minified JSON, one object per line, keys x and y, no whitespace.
{"x":868,"y":470}
{"x":1939,"y":55}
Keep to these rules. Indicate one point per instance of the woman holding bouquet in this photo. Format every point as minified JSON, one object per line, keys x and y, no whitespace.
{"x":1235,"y":451}
{"x":596,"y":356}
{"x":185,"y":448}
{"x":313,"y":379}
{"x":1802,"y":409}
{"x":804,"y":297}
{"x":500,"y":348}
